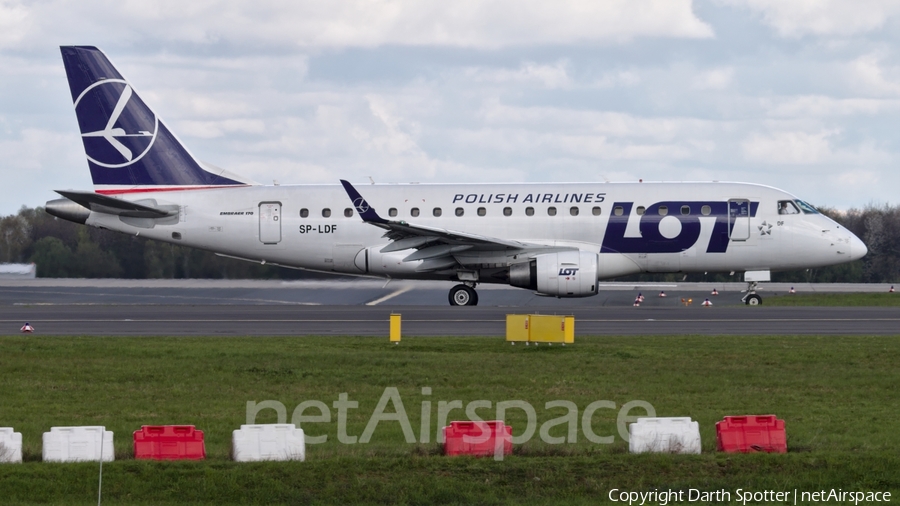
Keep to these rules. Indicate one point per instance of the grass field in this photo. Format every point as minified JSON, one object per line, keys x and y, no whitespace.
{"x":834,"y":299}
{"x":838,"y":396}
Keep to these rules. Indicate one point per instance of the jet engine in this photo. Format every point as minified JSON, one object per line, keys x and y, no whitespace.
{"x":563,"y":274}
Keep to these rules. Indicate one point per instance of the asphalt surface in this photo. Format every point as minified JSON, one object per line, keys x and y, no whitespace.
{"x":204,"y":308}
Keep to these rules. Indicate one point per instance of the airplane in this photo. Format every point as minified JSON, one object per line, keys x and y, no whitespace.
{"x":555,"y":239}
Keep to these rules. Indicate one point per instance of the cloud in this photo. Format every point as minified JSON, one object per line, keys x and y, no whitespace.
{"x":856,"y":178}
{"x":715,"y":79}
{"x":14,"y":23}
{"x":213,"y":129}
{"x":548,"y":76}
{"x":821,"y":106}
{"x":817,"y":149}
{"x":361,"y":23}
{"x":788,"y":147}
{"x":37,"y":161}
{"x":624,"y":79}
{"x":594,"y":122}
{"x":868,"y":76}
{"x":796,"y":18}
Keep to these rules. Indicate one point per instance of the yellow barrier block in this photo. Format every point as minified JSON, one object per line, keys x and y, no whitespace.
{"x":395,"y":328}
{"x":517,"y":327}
{"x":547,"y":329}
{"x":569,"y":329}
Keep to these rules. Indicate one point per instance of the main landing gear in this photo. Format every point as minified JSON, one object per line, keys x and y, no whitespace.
{"x":752,"y":298}
{"x":463,"y":295}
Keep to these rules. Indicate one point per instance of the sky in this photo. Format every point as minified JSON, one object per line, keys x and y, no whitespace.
{"x":802,"y":95}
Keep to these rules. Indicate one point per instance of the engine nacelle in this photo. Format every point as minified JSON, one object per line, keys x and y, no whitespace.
{"x":563,"y":274}
{"x":372,"y":261}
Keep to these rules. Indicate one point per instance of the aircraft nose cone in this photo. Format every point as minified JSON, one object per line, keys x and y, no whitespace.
{"x":858,"y":248}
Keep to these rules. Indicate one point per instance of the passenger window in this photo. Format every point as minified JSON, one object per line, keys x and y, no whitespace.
{"x":596,"y":211}
{"x":551,"y":211}
{"x":348,"y":213}
{"x":414,"y":212}
{"x":326,"y":213}
{"x":705,"y":210}
{"x":507,"y":211}
{"x":573,"y":211}
{"x":482,"y":211}
{"x":640,"y":210}
{"x":529,"y":211}
{"x":618,"y":211}
{"x":787,"y":207}
{"x":436,"y":212}
{"x":304,"y":213}
{"x":460,"y":211}
{"x":392,"y":212}
{"x":685,"y":209}
{"x":663,"y":210}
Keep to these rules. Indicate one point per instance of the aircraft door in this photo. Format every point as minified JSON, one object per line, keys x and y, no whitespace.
{"x":270,"y":222}
{"x":739,"y":219}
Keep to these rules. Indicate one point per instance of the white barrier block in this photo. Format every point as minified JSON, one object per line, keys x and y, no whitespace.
{"x":10,"y":445}
{"x":664,"y":435}
{"x":77,"y":444}
{"x":276,"y":441}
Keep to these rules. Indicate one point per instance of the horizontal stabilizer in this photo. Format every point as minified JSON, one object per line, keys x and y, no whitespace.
{"x":110,"y":205}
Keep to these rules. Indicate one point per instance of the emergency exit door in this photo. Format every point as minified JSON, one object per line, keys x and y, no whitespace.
{"x":739,"y":219}
{"x":270,"y":222}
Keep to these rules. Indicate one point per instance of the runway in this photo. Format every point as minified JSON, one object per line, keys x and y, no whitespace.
{"x":203,"y":308}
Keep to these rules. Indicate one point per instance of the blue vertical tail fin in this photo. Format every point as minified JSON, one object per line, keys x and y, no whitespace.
{"x":128,"y":147}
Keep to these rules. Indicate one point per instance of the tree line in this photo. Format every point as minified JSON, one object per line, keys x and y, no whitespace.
{"x":62,"y":249}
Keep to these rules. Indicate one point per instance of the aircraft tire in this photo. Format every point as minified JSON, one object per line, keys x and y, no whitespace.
{"x":753,"y":300}
{"x":462,"y":295}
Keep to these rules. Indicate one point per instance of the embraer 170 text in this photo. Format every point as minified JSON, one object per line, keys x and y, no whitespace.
{"x":555,"y":239}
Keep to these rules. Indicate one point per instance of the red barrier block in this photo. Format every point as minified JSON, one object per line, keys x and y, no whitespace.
{"x":752,"y":433}
{"x":169,"y":442}
{"x":477,"y":438}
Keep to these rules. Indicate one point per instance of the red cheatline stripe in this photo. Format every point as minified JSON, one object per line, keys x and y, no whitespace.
{"x":165,"y":189}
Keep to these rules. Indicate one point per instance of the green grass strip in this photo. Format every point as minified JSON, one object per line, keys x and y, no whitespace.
{"x":837,"y":395}
{"x":833,"y":299}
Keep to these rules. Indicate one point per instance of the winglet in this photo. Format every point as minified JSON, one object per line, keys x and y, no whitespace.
{"x":366,"y":212}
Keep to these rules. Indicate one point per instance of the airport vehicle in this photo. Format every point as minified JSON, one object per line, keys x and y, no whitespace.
{"x":555,"y":239}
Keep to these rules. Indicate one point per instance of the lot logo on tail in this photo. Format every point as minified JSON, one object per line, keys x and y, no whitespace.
{"x":361,"y":205}
{"x":119,"y":137}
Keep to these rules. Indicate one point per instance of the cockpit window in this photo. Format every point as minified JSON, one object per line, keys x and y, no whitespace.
{"x":787,"y":207}
{"x":806,"y":208}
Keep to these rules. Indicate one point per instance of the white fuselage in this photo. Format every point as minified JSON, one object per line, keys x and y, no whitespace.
{"x":316,"y":226}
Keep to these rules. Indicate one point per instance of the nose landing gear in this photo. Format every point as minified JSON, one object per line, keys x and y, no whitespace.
{"x":752,"y":298}
{"x":463,"y":295}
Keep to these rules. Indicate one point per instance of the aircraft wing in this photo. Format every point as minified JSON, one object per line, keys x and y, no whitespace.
{"x":435,"y":245}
